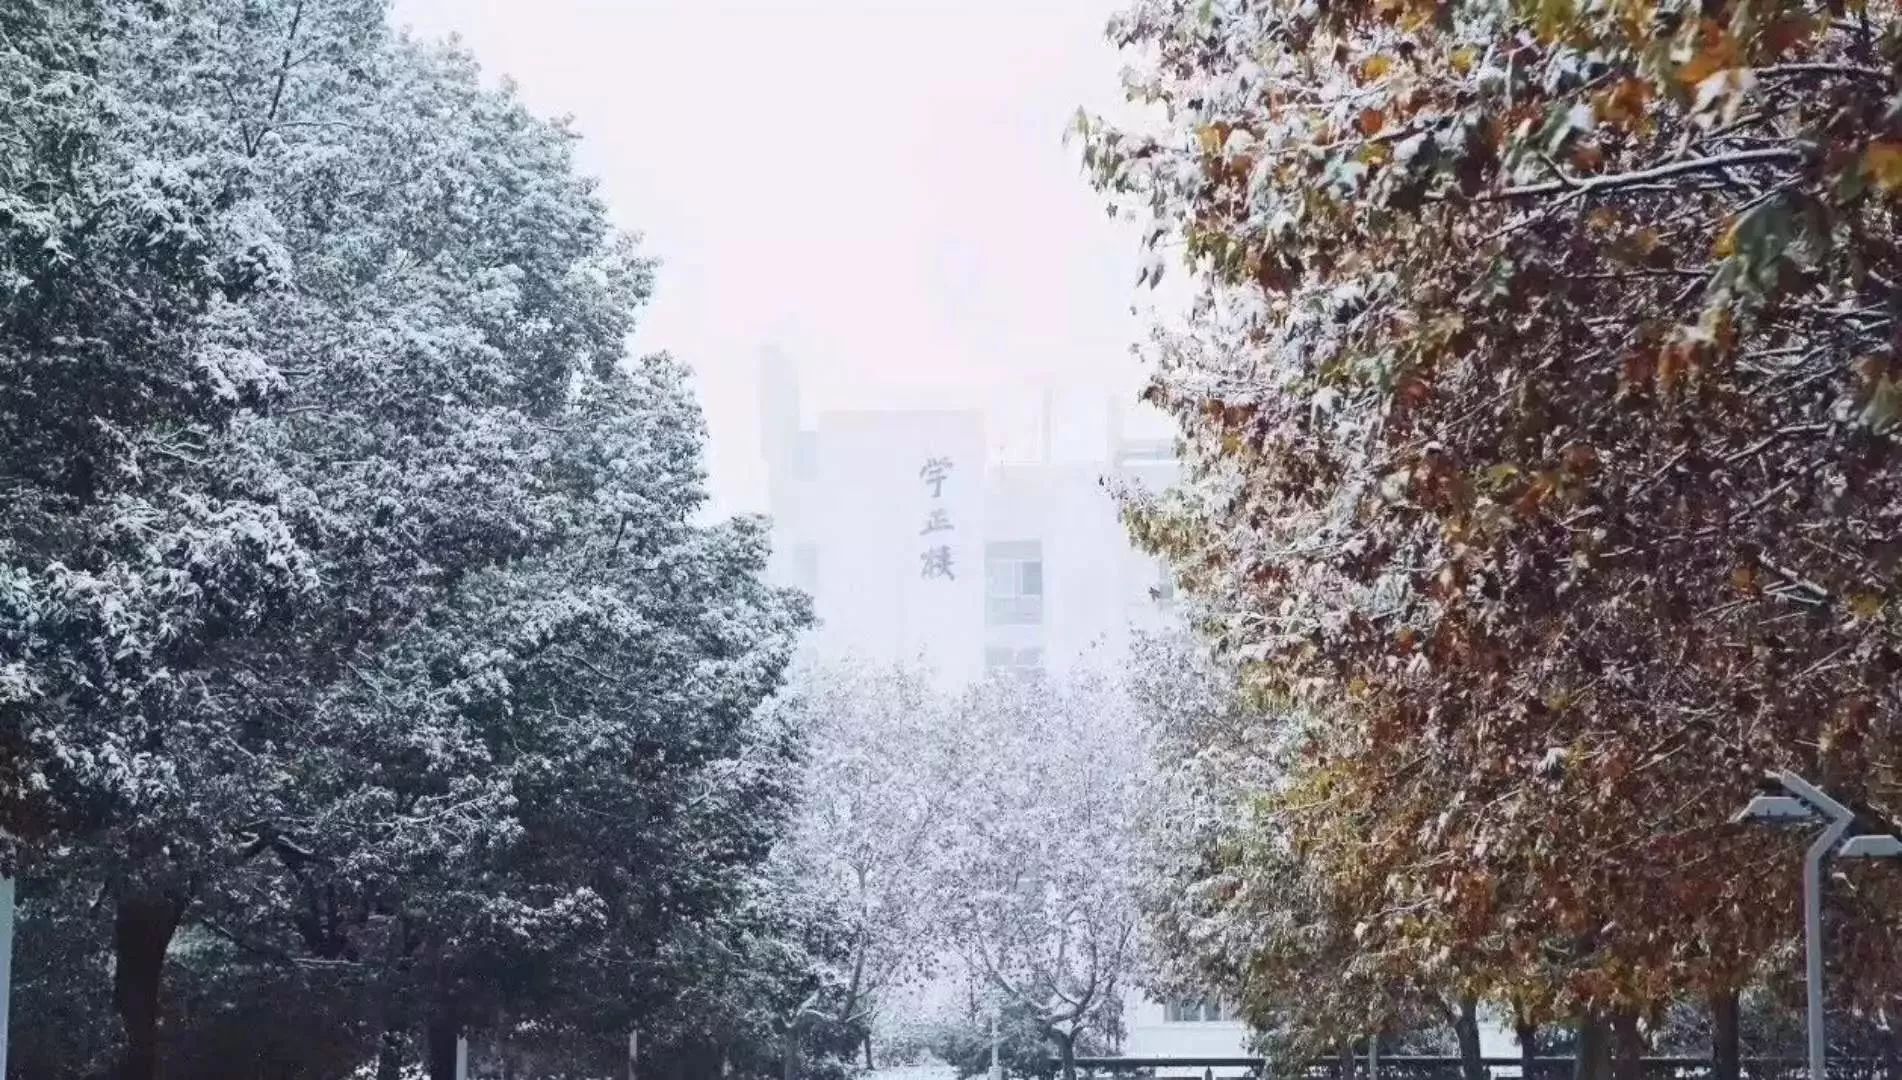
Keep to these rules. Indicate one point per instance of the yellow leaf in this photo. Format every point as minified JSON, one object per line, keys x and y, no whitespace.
{"x":1375,"y":66}
{"x":1727,"y":242}
{"x":1720,"y":53}
{"x":1500,"y":475}
{"x":1865,"y":605}
{"x":1464,"y":58}
{"x":1882,"y":163}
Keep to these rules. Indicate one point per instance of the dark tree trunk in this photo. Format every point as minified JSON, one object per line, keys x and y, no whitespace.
{"x":789,"y":1055}
{"x":1628,"y":1058}
{"x":1528,"y":1035}
{"x":1891,"y":1059}
{"x":1346,"y":1066}
{"x":444,"y":1030}
{"x":1591,"y":1060}
{"x":1066,"y":1050}
{"x":868,"y":1050}
{"x":389,"y":1055}
{"x":1466,"y":1028}
{"x":1724,"y":1060}
{"x":142,"y":929}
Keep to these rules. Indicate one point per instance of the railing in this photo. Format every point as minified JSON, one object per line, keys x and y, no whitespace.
{"x":1419,"y":1067}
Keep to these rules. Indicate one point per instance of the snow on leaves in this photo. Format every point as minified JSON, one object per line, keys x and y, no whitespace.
{"x":354,"y":598}
{"x":1538,"y":349}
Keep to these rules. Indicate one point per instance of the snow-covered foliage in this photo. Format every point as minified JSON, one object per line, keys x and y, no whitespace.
{"x":880,"y":792}
{"x":1041,"y":857}
{"x":983,"y":839}
{"x":1538,"y":413}
{"x":354,"y":600}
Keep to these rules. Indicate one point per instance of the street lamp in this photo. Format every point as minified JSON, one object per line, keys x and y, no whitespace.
{"x":1808,"y":804}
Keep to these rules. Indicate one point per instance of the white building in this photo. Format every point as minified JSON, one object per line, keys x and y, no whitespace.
{"x":927,"y":533}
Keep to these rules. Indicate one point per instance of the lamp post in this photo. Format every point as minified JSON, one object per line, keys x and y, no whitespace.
{"x":1808,"y":804}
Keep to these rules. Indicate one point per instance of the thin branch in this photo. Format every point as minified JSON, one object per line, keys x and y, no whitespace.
{"x":1583,"y":186}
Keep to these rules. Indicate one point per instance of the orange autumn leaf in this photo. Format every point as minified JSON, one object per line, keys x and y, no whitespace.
{"x":1624,"y":104}
{"x":1720,"y":52}
{"x":1882,"y":164}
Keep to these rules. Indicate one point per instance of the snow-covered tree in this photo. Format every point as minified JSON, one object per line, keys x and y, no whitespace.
{"x":1039,"y":863}
{"x":350,"y":597}
{"x":880,"y":789}
{"x":1538,"y":348}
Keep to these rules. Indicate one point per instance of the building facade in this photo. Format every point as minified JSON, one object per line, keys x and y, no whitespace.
{"x":926,"y":534}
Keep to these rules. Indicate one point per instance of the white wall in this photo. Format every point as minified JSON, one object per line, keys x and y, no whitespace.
{"x":859,"y":505}
{"x":1149,"y":1033}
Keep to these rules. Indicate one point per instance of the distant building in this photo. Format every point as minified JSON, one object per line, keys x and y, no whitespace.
{"x":928,"y":534}
{"x":1183,"y":1027}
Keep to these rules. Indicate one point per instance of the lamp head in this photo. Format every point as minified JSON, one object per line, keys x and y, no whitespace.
{"x":1776,"y":810}
{"x":1870,"y":846}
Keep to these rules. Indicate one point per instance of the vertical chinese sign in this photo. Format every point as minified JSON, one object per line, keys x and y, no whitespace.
{"x":935,"y":559}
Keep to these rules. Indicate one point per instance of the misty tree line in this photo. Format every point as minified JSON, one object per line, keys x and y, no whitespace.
{"x":368,"y":674}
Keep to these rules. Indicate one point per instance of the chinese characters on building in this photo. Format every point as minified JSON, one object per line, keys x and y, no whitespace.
{"x":935,"y":559}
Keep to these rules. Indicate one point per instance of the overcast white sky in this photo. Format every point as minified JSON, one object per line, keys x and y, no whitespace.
{"x":880,"y":187}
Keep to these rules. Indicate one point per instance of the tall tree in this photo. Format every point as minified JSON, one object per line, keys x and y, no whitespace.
{"x":1538,"y":413}
{"x":315,"y":402}
{"x":1039,"y":861}
{"x":879,"y":792}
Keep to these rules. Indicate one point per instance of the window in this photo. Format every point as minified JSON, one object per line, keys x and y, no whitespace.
{"x":1197,"y":1011}
{"x":1013,"y":583}
{"x":1148,"y":451}
{"x":1004,"y":659}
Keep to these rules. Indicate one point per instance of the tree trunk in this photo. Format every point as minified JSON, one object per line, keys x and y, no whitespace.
{"x":389,"y":1055}
{"x":1466,"y":1028}
{"x":1628,"y":1057}
{"x":142,"y":929}
{"x":444,"y":1030}
{"x":1592,"y":1058}
{"x":1724,"y":1061}
{"x":1066,"y":1049}
{"x":789,"y":1055}
{"x":1528,"y":1035}
{"x":868,"y":1049}
{"x":1346,"y":1066}
{"x":1891,"y":1059}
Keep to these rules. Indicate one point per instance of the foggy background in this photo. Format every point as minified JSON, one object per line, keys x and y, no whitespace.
{"x":880,"y":190}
